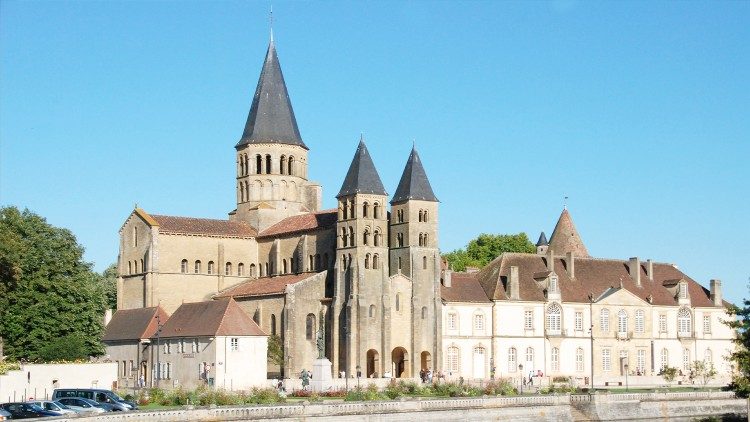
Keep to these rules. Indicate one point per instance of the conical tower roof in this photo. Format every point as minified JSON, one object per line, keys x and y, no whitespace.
{"x":542,"y":240}
{"x":565,"y":237}
{"x":271,"y":118}
{"x":362,"y":176}
{"x":414,"y":183}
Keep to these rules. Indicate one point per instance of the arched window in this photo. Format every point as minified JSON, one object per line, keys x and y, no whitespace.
{"x":424,"y":241}
{"x":664,"y":358}
{"x":640,"y":317}
{"x":197,"y":267}
{"x":130,"y":267}
{"x":479,"y":322}
{"x":398,"y":301}
{"x":376,"y":238}
{"x":365,"y":209}
{"x":399,"y":262}
{"x":242,"y":192}
{"x":376,"y":210}
{"x":367,"y":261}
{"x":310,"y":326}
{"x":530,"y":357}
{"x":143,"y":267}
{"x":512,"y":360}
{"x":420,"y":216}
{"x":424,"y":216}
{"x":290,"y":164}
{"x":351,"y":210}
{"x":268,"y":164}
{"x":452,"y":321}
{"x":421,"y":243}
{"x":555,"y":355}
{"x":424,"y":262}
{"x":366,"y":237}
{"x":452,"y":360}
{"x":400,"y":239}
{"x":351,"y":236}
{"x":424,"y":312}
{"x":210,"y":268}
{"x":258,"y":164}
{"x":183,"y":266}
{"x":273,"y":324}
{"x":282,"y":164}
{"x":579,"y":359}
{"x":622,"y":321}
{"x":135,"y":236}
{"x":240,"y":269}
{"x":242,"y":165}
{"x":344,"y":237}
{"x":343,"y":261}
{"x":554,"y":316}
{"x":684,"y":321}
{"x":317,"y":261}
{"x":372,"y":311}
{"x":375,"y":261}
{"x":247,"y":191}
{"x":344,"y":210}
{"x":310,"y":263}
{"x":604,"y":320}
{"x":400,"y":215}
{"x":283,"y":266}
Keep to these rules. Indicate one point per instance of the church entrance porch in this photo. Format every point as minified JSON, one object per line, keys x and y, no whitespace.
{"x":373,"y":363}
{"x":400,"y":359}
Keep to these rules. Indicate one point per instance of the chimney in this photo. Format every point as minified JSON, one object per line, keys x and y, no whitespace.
{"x":635,"y":270}
{"x":650,"y":269}
{"x":716,"y":292}
{"x":570,"y":262}
{"x":108,"y":315}
{"x":550,"y":260}
{"x":513,"y":287}
{"x":447,"y":277}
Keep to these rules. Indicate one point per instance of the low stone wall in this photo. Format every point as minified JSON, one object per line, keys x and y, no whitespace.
{"x":647,"y":406}
{"x":39,"y":380}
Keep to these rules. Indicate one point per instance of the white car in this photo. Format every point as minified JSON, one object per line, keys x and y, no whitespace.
{"x":81,"y":405}
{"x":54,"y":406}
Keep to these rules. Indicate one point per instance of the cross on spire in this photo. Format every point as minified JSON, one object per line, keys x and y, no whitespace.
{"x":270,"y":22}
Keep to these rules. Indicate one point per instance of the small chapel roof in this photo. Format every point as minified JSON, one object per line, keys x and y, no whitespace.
{"x":302,"y":223}
{"x":264,"y":286}
{"x":592,"y":276}
{"x":222,"y":317}
{"x":271,"y":118}
{"x":203,"y":226}
{"x":464,"y":288}
{"x":414,"y":183}
{"x":134,"y":324}
{"x":565,"y":237}
{"x":362,"y":176}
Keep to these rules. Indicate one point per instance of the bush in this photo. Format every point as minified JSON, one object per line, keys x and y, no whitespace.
{"x":370,"y":393}
{"x":500,"y":387}
{"x":452,"y":389}
{"x":6,"y":366}
{"x":561,"y":379}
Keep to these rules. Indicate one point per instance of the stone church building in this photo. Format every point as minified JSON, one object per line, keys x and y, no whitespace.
{"x":372,"y":274}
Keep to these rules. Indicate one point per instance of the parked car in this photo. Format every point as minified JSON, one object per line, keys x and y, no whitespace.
{"x":81,"y":405}
{"x":4,"y":414}
{"x":54,"y":406}
{"x":101,"y":396}
{"x":26,"y":411}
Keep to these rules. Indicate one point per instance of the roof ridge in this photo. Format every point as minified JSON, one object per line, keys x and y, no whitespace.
{"x":224,"y":314}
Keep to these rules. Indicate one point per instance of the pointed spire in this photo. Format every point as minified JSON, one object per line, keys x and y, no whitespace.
{"x":542,"y":240}
{"x":271,"y":118}
{"x":565,"y":237}
{"x":362,"y":176}
{"x":414,"y":183}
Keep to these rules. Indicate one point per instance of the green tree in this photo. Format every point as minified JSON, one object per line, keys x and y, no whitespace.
{"x":702,"y":371}
{"x":669,"y":373}
{"x":486,"y":247}
{"x":108,"y":286}
{"x":740,"y":356}
{"x":48,"y":294}
{"x":276,"y":351}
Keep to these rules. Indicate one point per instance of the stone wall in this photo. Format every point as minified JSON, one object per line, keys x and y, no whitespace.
{"x":39,"y":380}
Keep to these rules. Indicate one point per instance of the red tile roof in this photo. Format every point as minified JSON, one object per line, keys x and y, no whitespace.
{"x":134,"y":324}
{"x":204,"y":226}
{"x":264,"y":286}
{"x":211,"y":318}
{"x":565,"y":237}
{"x":464,"y":288}
{"x":302,"y":223}
{"x":592,"y":275}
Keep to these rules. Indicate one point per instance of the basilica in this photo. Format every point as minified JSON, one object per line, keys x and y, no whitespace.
{"x":369,"y":275}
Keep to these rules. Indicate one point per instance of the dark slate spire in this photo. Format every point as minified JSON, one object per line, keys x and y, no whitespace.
{"x":542,"y":240}
{"x":271,"y":118}
{"x":362,"y":176}
{"x":414,"y":183}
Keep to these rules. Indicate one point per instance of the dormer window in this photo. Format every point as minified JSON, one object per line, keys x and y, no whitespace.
{"x":553,"y":284}
{"x":683,"y":290}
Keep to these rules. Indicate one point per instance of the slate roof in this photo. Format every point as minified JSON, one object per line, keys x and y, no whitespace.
{"x":302,"y":223}
{"x":414,"y":183}
{"x":592,"y":275}
{"x":271,"y":118}
{"x":565,"y":237}
{"x":464,"y":288}
{"x":211,"y":318}
{"x":134,"y":324}
{"x":542,"y":240}
{"x":362,"y":176}
{"x":203,"y":226}
{"x":264,"y":286}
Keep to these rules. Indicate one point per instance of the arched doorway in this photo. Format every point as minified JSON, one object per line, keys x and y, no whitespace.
{"x":400,"y":359}
{"x":426,"y":361}
{"x":373,"y":363}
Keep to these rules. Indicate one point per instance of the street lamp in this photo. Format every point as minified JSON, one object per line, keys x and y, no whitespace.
{"x":359,"y":375}
{"x":520,"y":369}
{"x":626,"y":377}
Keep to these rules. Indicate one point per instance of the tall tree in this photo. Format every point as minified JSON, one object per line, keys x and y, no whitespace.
{"x":108,"y":285}
{"x":486,"y":247}
{"x":49,"y":297}
{"x":740,"y":356}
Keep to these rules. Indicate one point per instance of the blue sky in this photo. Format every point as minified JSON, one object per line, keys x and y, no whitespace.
{"x":638,"y":111}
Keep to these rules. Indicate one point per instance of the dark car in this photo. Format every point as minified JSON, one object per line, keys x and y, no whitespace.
{"x":4,"y":414}
{"x":83,"y":405}
{"x":106,"y":397}
{"x":27,"y":411}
